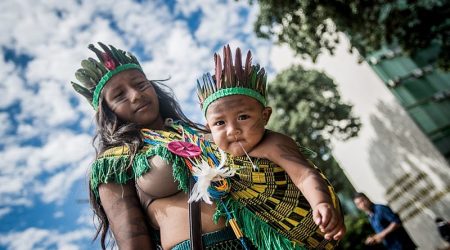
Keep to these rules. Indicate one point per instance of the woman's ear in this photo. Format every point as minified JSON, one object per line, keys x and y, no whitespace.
{"x":266,"y":113}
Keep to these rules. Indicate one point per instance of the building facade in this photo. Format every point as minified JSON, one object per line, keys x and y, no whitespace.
{"x":398,"y":156}
{"x":422,"y":89}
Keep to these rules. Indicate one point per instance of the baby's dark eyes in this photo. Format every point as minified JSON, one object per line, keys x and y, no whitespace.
{"x":219,"y":123}
{"x":243,"y":117}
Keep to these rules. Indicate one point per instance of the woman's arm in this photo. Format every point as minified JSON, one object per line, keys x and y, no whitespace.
{"x":283,"y":151}
{"x":125,"y":216}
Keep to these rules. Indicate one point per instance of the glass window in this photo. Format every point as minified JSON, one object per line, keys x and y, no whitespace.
{"x":423,"y":119}
{"x":397,"y":67}
{"x":442,"y":142}
{"x":432,"y":116}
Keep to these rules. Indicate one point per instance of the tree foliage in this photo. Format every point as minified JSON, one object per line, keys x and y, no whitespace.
{"x":310,"y":27}
{"x":307,"y":106}
{"x":358,"y":229}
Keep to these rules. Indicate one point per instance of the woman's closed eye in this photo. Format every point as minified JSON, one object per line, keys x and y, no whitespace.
{"x":143,"y":85}
{"x":118,"y":97}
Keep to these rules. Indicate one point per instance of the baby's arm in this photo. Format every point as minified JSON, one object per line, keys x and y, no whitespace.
{"x":283,"y":151}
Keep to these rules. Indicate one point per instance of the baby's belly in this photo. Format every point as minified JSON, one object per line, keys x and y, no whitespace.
{"x":171,"y":216}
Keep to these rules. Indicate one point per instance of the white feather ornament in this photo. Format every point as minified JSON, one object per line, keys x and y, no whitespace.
{"x":205,"y":175}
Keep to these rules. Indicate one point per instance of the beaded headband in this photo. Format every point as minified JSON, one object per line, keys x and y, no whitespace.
{"x":95,"y":74}
{"x":249,"y":80}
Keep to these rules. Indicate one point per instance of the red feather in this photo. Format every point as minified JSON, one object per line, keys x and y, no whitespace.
{"x":248,"y":67}
{"x":238,"y":67}
{"x":218,"y":62}
{"x":228,"y":66}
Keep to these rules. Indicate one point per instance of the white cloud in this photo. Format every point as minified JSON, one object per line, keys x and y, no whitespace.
{"x":50,"y":106}
{"x":37,"y":238}
{"x":5,"y":124}
{"x":59,"y":185}
{"x":65,"y":150}
{"x":13,"y":184}
{"x":221,"y":22}
{"x":4,"y":211}
{"x":11,"y":85}
{"x":187,"y":7}
{"x":58,"y":214}
{"x":146,"y":23}
{"x":85,"y":217}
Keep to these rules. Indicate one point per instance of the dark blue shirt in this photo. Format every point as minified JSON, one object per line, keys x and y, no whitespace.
{"x":381,"y":218}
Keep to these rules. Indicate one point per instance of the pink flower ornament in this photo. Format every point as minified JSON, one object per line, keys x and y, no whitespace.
{"x":184,"y":149}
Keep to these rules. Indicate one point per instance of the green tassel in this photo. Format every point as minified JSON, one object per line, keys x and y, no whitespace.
{"x":109,"y":169}
{"x":262,"y":235}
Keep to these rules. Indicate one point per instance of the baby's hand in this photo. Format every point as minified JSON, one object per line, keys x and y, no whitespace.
{"x":329,"y":221}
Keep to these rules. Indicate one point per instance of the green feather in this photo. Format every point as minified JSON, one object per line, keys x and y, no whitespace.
{"x":210,"y":82}
{"x":253,"y":73}
{"x":91,"y":69}
{"x":85,"y":79}
{"x":123,"y":58}
{"x":83,"y":91}
{"x":97,"y":52}
{"x":199,"y":92}
{"x":133,"y":58}
{"x":264,"y":89}
{"x":100,"y":67}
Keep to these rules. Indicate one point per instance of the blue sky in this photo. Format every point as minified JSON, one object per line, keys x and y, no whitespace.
{"x":46,"y":129}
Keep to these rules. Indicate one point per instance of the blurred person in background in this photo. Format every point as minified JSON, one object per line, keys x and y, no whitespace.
{"x":386,"y":224}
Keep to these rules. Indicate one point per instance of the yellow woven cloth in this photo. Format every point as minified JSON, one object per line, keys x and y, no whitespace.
{"x":270,"y":193}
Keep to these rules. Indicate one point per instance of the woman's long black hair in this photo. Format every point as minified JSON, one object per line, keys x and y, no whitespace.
{"x":112,"y":132}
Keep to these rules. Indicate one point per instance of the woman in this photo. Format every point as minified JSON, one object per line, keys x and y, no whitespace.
{"x":126,"y":102}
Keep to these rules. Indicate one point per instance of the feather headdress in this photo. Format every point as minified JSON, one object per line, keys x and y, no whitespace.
{"x":93,"y":74}
{"x":229,"y":79}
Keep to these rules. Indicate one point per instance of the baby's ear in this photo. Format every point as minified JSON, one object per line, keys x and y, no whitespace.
{"x":207,"y":126}
{"x":266,"y":113}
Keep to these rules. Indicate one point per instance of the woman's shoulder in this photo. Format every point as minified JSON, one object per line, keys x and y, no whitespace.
{"x":121,"y":151}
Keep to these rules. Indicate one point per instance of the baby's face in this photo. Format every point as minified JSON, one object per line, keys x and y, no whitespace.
{"x":237,"y":120}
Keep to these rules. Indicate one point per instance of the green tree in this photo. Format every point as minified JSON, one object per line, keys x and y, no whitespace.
{"x":307,"y":106}
{"x":358,"y":229}
{"x":310,"y":27}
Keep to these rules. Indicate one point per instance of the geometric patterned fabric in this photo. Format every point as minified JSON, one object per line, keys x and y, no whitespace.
{"x":270,"y":193}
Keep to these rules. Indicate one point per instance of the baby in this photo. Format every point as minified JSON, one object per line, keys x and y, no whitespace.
{"x":233,"y":102}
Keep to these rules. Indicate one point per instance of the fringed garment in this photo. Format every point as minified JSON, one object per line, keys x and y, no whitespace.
{"x":220,"y":240}
{"x":268,"y":207}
